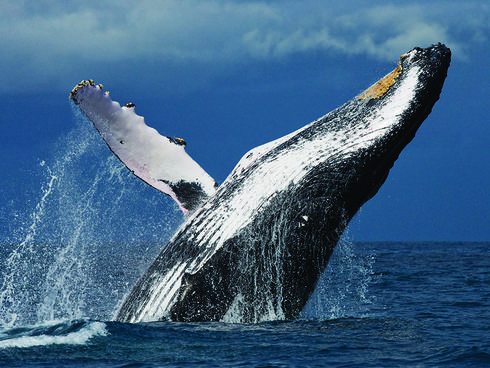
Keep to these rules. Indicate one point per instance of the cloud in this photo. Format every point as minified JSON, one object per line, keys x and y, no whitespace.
{"x":51,"y":40}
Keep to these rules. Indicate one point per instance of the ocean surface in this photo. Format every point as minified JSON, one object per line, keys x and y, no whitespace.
{"x":378,"y":305}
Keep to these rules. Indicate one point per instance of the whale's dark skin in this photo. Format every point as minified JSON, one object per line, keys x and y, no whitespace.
{"x":255,"y":249}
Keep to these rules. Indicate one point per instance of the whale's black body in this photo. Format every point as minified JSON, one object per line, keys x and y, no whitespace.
{"x":255,"y":249}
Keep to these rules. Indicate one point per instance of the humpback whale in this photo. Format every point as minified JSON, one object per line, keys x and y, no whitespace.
{"x":255,"y":246}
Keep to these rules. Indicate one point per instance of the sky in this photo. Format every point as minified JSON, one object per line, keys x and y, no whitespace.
{"x":230,"y":75}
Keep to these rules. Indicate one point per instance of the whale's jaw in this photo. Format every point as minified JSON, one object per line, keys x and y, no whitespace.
{"x":256,"y":248}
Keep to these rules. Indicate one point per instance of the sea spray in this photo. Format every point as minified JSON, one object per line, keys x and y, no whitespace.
{"x":91,"y":234}
{"x":18,"y":272}
{"x":344,"y":288}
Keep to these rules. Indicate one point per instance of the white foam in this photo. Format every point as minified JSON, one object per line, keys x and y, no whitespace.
{"x":80,"y":337}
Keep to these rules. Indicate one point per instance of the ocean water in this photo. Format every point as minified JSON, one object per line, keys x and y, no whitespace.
{"x":77,"y":238}
{"x":378,"y":305}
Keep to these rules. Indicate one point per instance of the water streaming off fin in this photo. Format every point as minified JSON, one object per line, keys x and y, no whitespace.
{"x":93,"y":230}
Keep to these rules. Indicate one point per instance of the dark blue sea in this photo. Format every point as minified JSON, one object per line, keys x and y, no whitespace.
{"x":78,"y":230}
{"x":378,"y":305}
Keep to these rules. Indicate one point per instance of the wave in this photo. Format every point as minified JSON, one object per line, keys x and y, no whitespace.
{"x":77,"y":332}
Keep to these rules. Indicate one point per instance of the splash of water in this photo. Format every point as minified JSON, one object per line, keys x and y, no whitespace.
{"x":17,"y":270}
{"x":93,"y":230}
{"x":343,"y":289}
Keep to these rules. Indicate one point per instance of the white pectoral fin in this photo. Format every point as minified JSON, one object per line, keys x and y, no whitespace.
{"x":159,"y":161}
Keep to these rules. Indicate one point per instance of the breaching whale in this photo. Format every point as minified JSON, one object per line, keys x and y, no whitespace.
{"x":255,"y":246}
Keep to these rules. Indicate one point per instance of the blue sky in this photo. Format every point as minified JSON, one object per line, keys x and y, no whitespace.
{"x":229,"y":75}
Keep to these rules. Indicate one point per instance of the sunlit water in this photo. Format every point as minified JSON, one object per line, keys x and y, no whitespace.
{"x":92,"y":229}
